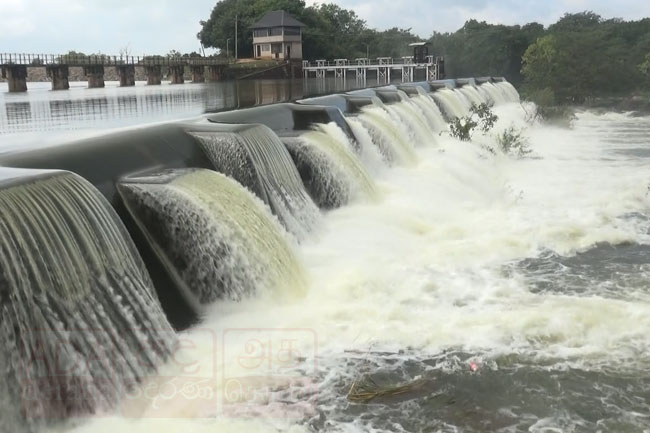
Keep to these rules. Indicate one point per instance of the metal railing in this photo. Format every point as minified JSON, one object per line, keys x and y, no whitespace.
{"x":36,"y":60}
{"x":379,"y":61}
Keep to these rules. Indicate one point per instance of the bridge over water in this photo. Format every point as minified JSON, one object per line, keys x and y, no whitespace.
{"x":14,"y":68}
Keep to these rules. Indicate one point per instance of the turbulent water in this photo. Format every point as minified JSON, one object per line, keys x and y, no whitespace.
{"x":334,"y":174}
{"x":480,"y":293}
{"x":79,"y":320}
{"x":218,"y":237}
{"x":256,"y":158}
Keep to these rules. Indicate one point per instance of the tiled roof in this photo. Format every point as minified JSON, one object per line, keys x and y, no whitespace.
{"x":277,"y":19}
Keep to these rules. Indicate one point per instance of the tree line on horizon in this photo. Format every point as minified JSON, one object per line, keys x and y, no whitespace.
{"x":580,"y":56}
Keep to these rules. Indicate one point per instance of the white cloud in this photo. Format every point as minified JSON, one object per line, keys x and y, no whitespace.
{"x":149,"y":26}
{"x":157,"y":26}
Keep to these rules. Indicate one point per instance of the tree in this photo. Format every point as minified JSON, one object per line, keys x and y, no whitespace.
{"x":583,"y":56}
{"x":330,"y":32}
{"x":579,"y":21}
{"x":645,"y":66}
{"x":220,"y":27}
{"x":482,"y":49}
{"x":540,"y":63}
{"x":72,"y":57}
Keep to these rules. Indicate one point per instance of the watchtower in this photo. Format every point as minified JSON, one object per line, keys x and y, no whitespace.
{"x":277,"y":35}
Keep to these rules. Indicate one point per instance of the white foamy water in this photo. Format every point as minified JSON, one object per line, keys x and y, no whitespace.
{"x":421,"y":274}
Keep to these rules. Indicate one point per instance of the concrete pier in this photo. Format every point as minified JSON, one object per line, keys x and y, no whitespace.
{"x":154,"y":75}
{"x":16,"y":77}
{"x":59,"y":76}
{"x":14,"y":68}
{"x":198,"y":74}
{"x":215,"y":72}
{"x":176,"y":74}
{"x":127,"y":75}
{"x":95,"y":76}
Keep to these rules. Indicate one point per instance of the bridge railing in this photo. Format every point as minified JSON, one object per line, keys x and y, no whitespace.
{"x":7,"y":59}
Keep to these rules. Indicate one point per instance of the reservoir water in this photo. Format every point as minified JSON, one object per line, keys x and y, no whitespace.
{"x":459,"y":290}
{"x":25,"y":117}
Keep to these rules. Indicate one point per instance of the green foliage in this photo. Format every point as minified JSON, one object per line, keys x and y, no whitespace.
{"x":546,"y":108}
{"x":645,"y":66}
{"x":513,"y":142}
{"x":462,"y":128}
{"x":542,"y":97}
{"x":480,"y":118}
{"x":481,"y":49}
{"x":331,"y":31}
{"x":539,"y":63}
{"x":72,"y":57}
{"x":582,"y":56}
{"x":579,"y":57}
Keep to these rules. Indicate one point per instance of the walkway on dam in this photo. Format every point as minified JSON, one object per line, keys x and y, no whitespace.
{"x":382,"y":66}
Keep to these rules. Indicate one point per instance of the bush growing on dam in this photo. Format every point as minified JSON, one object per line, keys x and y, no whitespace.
{"x":547,"y":110}
{"x":513,"y":142}
{"x":480,"y":118}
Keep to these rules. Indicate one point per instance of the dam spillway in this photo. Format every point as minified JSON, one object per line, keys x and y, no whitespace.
{"x":218,"y":214}
{"x":209,"y":209}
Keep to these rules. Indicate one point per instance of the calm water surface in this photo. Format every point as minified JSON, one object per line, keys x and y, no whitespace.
{"x":24,"y":117}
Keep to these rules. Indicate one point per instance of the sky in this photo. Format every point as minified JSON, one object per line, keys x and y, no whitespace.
{"x":158,"y":26}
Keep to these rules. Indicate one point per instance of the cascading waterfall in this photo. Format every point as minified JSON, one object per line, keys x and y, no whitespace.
{"x":388,"y":134}
{"x":496,"y":94}
{"x":485,"y":94}
{"x":369,"y":154}
{"x":336,"y":175}
{"x":255,"y":157}
{"x":81,"y":323}
{"x":470,"y":92}
{"x":450,"y":103}
{"x":430,"y":110}
{"x":219,"y":239}
{"x":511,"y":93}
{"x":530,"y":273}
{"x":410,"y":115}
{"x":464,"y":100}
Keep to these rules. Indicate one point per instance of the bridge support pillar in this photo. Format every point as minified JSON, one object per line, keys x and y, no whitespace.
{"x":215,"y":72}
{"x":16,"y":77}
{"x":176,"y":74}
{"x":59,"y":76}
{"x":153,"y":75}
{"x":198,"y":74}
{"x":95,"y":74}
{"x":127,"y":75}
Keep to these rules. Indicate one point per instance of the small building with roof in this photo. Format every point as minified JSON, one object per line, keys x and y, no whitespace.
{"x":277,"y":35}
{"x":420,"y":51}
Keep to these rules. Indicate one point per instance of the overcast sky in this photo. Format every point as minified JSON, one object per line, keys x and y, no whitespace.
{"x":157,"y":26}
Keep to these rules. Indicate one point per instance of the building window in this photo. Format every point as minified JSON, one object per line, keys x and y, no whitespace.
{"x":276,"y":31}
{"x":261,"y":33}
{"x":266,"y":47}
{"x":292,"y":31}
{"x":276,"y":48}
